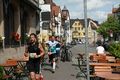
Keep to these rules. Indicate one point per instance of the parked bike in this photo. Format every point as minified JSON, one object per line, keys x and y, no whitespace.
{"x":66,"y":54}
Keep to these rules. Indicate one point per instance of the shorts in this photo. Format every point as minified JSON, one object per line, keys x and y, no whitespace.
{"x":51,"y":57}
{"x":33,"y":66}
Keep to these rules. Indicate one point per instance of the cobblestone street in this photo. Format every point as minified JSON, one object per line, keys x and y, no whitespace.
{"x":66,"y":70}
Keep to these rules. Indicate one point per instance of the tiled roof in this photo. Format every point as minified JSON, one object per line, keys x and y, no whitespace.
{"x":55,"y":10}
{"x":48,"y":1}
{"x":115,"y":10}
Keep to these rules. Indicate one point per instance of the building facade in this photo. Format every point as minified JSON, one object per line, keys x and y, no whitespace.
{"x":78,"y":30}
{"x":50,"y":19}
{"x":17,"y":18}
{"x":66,"y":31}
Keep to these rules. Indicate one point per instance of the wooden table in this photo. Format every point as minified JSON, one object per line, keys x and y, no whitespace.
{"x":108,"y":75}
{"x":104,"y":64}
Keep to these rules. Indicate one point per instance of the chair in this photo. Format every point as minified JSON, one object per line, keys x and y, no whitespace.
{"x":102,"y":59}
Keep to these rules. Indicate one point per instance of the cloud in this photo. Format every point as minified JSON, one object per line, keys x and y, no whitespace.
{"x":76,"y":14}
{"x":95,"y":4}
{"x":98,"y":15}
{"x":97,"y":9}
{"x":71,"y":1}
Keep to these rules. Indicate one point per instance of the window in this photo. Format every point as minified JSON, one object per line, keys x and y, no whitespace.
{"x":75,"y":24}
{"x":9,"y":23}
{"x":84,"y":34}
{"x":79,"y":23}
{"x":23,"y":19}
{"x":45,"y":16}
{"x":75,"y":28}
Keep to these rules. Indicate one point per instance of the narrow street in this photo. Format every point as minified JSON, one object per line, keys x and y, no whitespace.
{"x":66,"y":70}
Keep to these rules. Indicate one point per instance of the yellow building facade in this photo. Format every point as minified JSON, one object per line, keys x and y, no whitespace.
{"x":78,"y":30}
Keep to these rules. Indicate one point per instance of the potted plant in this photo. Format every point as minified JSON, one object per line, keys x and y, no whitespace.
{"x":1,"y":73}
{"x":15,"y":37}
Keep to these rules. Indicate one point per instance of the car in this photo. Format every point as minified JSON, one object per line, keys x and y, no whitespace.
{"x":73,"y":43}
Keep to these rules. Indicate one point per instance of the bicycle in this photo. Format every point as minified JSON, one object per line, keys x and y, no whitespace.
{"x":66,"y":54}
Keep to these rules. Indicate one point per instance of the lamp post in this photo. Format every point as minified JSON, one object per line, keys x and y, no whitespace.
{"x":86,"y":39}
{"x":94,"y":38}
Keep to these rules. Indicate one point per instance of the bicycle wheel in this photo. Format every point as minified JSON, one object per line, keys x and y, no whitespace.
{"x":69,"y":55}
{"x":62,"y":55}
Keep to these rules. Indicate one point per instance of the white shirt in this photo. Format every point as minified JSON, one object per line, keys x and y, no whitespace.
{"x":52,"y":45}
{"x":100,"y":50}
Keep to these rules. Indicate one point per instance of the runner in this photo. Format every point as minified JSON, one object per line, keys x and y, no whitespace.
{"x":52,"y":52}
{"x":34,"y":51}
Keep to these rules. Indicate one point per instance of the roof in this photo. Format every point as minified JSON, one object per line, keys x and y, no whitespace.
{"x":48,"y":1}
{"x":65,"y":8}
{"x":115,"y":10}
{"x":55,"y":10}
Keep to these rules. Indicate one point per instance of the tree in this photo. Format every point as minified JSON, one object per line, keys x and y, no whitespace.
{"x":111,"y":25}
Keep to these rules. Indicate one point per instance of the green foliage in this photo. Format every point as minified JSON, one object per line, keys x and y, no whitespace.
{"x":1,"y":72}
{"x":114,"y":49}
{"x":112,"y":23}
{"x":26,"y":38}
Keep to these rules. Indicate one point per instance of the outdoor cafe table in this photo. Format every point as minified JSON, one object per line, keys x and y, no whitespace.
{"x":108,"y":75}
{"x":8,"y":68}
{"x":104,"y":64}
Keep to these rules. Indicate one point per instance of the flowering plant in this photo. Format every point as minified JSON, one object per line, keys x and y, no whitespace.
{"x":15,"y":36}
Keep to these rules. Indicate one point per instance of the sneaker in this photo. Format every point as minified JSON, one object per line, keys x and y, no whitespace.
{"x":53,"y":71}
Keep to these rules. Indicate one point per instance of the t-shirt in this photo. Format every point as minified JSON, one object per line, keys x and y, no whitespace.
{"x":52,"y":46}
{"x":100,"y":50}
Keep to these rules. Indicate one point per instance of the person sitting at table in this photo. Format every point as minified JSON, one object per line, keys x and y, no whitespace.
{"x":34,"y":51}
{"x":100,"y":49}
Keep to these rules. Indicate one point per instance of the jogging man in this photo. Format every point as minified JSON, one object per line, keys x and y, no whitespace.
{"x":52,"y":52}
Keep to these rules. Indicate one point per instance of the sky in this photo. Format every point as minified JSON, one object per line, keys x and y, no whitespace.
{"x":96,"y":9}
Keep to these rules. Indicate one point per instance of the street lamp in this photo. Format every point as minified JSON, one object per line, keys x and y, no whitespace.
{"x":64,"y":18}
{"x":86,"y":39}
